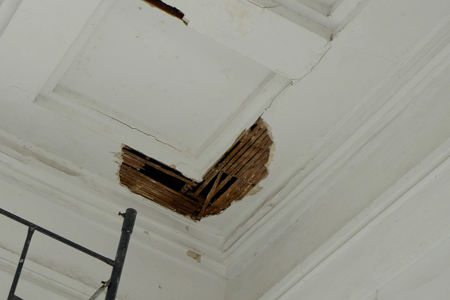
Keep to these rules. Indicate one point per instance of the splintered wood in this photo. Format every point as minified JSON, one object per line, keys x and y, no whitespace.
{"x":240,"y":169}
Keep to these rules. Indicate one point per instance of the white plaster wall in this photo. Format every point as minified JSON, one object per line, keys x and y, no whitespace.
{"x":402,"y":254}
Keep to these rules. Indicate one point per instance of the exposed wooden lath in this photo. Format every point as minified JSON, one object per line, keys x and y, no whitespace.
{"x":240,"y":169}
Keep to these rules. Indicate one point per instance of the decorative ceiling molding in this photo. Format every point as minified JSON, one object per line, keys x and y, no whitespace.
{"x":325,"y":18}
{"x":236,"y":246}
{"x":36,"y":275}
{"x":59,"y":181}
{"x":7,"y":10}
{"x":421,"y":68}
{"x":390,"y":210}
{"x":65,"y":103}
{"x":49,"y":45}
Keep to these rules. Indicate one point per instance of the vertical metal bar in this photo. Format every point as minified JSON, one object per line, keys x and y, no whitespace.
{"x":21,"y":262}
{"x":127,"y":230}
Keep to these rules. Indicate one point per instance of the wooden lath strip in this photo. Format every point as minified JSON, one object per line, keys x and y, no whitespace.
{"x":240,"y":191}
{"x":242,"y":143}
{"x":226,"y":201}
{"x":211,"y":174}
{"x":243,"y":149}
{"x":223,"y":183}
{"x":245,"y":137}
{"x":240,"y":163}
{"x":259,"y":159}
{"x":230,"y":179}
{"x":227,"y":154}
{"x":228,"y":192}
{"x":237,"y":196}
{"x":129,"y":160}
{"x":260,"y":175}
{"x":132,"y":160}
{"x":244,"y":146}
{"x":168,"y":202}
{"x":160,"y":188}
{"x":251,"y":151}
{"x":255,"y":150}
{"x":171,"y":203}
{"x":210,"y":195}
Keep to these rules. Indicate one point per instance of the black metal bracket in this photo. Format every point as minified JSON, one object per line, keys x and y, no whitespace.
{"x":117,"y":264}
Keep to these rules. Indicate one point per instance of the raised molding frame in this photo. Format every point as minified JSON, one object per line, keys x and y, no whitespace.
{"x":194,"y":167}
{"x":36,"y":169}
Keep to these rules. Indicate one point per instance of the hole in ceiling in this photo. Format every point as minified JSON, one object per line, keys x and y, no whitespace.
{"x":240,"y":169}
{"x":173,"y":11}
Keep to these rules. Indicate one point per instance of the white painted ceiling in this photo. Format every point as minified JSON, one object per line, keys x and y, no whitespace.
{"x":80,"y":78}
{"x":148,"y":70}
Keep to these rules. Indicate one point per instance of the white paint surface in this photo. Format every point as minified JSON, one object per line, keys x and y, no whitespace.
{"x":358,"y":122}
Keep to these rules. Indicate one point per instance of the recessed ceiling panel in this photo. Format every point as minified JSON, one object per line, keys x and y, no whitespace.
{"x":149,"y":71}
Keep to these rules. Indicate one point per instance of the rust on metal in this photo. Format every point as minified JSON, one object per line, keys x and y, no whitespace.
{"x":231,"y":178}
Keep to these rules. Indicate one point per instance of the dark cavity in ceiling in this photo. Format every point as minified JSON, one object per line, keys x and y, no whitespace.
{"x":239,"y":170}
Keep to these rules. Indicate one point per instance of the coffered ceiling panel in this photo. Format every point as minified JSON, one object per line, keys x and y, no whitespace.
{"x":324,"y":17}
{"x":153,"y":73}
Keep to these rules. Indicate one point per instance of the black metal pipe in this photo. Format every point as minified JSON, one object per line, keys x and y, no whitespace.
{"x":117,"y":264}
{"x":58,"y":238}
{"x":127,"y":230}
{"x":23,"y":256}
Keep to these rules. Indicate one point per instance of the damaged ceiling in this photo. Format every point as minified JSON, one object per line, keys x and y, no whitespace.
{"x":129,"y":73}
{"x":236,"y":174}
{"x":118,"y":103}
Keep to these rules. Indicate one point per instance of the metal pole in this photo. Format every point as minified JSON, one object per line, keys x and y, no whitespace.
{"x":20,"y":265}
{"x":127,"y":230}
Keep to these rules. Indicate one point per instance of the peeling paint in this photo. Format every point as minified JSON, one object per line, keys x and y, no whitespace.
{"x":243,"y":17}
{"x":194,"y":255}
{"x":272,"y":147}
{"x":118,"y":155}
{"x":255,"y":190}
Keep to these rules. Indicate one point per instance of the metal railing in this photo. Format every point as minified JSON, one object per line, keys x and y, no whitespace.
{"x":117,"y":264}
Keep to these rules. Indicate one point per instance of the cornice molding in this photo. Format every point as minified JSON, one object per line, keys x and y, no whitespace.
{"x":388,"y":204}
{"x":67,"y":185}
{"x":287,"y":199}
{"x":38,"y":275}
